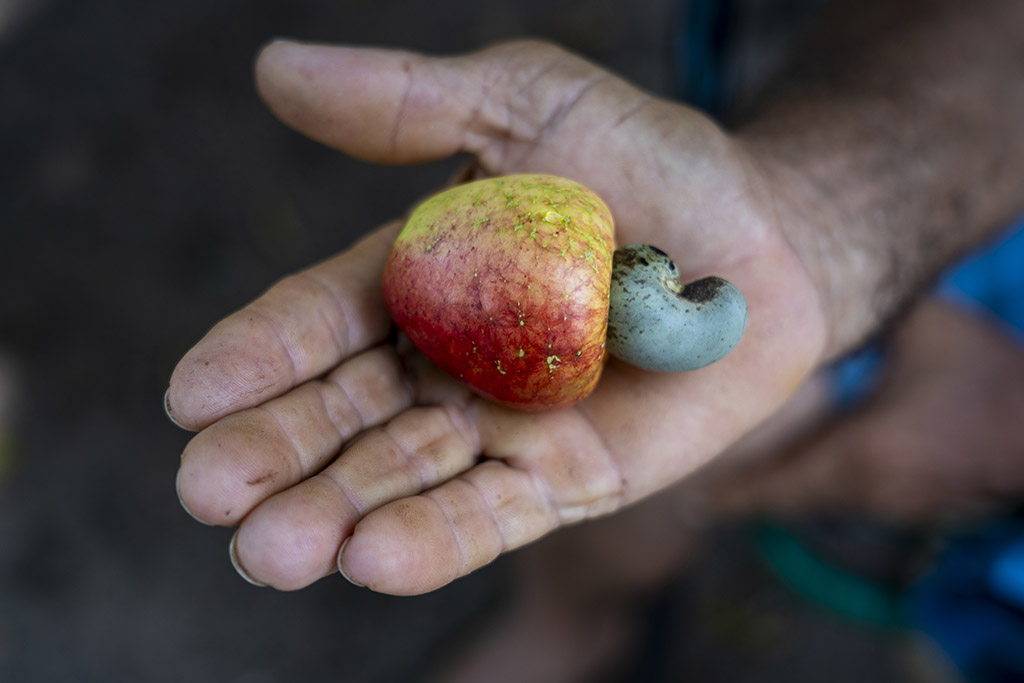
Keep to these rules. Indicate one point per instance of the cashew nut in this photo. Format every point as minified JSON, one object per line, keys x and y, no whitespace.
{"x":657,"y":323}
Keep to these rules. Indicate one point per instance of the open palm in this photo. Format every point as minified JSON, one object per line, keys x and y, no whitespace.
{"x":334,"y":449}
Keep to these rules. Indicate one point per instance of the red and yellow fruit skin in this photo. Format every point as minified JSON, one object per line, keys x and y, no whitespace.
{"x":503,"y":283}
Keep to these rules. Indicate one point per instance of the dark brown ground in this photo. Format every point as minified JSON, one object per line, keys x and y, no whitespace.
{"x":144,"y":193}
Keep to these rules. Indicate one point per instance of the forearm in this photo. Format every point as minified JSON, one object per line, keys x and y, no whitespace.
{"x":898,"y":136}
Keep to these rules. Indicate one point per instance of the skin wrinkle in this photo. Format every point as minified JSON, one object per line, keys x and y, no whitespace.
{"x":329,"y":475}
{"x":568,"y":104}
{"x":414,"y":464}
{"x":254,"y":308}
{"x":364,"y":422}
{"x":412,"y":456}
{"x":405,"y":384}
{"x":506,"y":129}
{"x":297,"y":456}
{"x":541,"y":486}
{"x":629,"y":113}
{"x":463,"y":564}
{"x":407,"y":67}
{"x":527,"y":88}
{"x":493,"y":514}
{"x":537,"y":481}
{"x":343,"y":434}
{"x":536,"y":130}
{"x":461,"y":423}
{"x":475,"y":120}
{"x":521,"y":126}
{"x":608,"y":455}
{"x":343,"y":348}
{"x":552,"y":513}
{"x":344,"y":309}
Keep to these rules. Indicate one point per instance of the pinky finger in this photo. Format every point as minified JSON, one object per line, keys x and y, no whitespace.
{"x":417,"y":544}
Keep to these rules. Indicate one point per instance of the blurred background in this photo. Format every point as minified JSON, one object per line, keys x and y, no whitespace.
{"x":145,"y":192}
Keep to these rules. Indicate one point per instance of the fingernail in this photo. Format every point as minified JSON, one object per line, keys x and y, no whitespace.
{"x":237,"y":564}
{"x":341,"y":570}
{"x":177,"y":489}
{"x":168,"y":412}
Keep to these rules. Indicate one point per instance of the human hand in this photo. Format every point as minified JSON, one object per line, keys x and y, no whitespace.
{"x":334,"y":449}
{"x":940,"y":439}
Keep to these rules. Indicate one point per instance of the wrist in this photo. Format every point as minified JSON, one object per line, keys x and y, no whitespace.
{"x":846,"y":273}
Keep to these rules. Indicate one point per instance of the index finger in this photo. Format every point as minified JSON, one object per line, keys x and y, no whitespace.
{"x":300,"y":328}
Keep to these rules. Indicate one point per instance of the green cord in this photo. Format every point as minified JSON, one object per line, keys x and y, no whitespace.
{"x":826,"y":585}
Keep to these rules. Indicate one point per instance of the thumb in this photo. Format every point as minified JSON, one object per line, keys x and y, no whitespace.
{"x":393,"y":106}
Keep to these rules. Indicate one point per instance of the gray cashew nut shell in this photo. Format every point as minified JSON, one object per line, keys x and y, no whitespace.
{"x":657,"y":323}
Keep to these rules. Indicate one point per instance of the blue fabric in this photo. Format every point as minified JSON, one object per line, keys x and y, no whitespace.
{"x":955,"y":604}
{"x":854,"y":377}
{"x":992,"y":281}
{"x":1007,"y":575}
{"x":704,"y":30}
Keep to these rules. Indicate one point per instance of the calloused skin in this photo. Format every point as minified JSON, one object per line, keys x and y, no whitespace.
{"x":331,"y":448}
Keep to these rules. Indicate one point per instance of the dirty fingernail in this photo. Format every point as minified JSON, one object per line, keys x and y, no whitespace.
{"x":237,"y":563}
{"x":170,"y":413}
{"x":341,"y":570}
